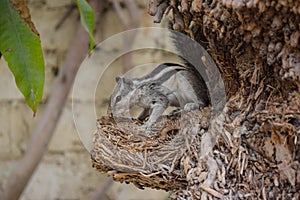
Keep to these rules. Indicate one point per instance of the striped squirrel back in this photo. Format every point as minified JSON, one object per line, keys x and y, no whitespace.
{"x":169,"y":84}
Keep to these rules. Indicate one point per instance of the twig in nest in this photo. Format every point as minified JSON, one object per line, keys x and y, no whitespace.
{"x":184,"y":5}
{"x":211,"y":191}
{"x":196,"y":6}
{"x":153,"y":174}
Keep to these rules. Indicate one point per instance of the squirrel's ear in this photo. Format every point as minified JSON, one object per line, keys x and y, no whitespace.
{"x":128,"y":82}
{"x":118,"y":79}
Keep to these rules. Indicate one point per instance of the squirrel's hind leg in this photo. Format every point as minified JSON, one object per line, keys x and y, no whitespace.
{"x":191,"y":106}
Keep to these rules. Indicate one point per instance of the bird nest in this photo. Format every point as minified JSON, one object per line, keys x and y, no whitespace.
{"x":244,"y":159}
{"x":148,"y":159}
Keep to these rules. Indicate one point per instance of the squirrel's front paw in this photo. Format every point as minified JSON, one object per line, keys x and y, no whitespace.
{"x":145,"y":127}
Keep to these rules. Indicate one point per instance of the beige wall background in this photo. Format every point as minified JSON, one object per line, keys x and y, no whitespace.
{"x":65,"y":171}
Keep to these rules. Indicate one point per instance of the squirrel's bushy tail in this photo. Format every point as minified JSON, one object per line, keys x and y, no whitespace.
{"x":191,"y":51}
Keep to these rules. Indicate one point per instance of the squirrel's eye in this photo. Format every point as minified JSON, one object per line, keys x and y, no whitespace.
{"x":118,"y":98}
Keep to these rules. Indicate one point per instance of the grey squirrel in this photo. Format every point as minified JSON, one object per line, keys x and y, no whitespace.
{"x":169,"y":84}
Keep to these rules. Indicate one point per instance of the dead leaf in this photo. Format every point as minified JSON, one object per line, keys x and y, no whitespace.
{"x":21,"y":6}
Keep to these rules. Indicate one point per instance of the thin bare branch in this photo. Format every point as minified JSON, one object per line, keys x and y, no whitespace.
{"x":67,"y":14}
{"x":130,"y":23}
{"x":40,"y":138}
{"x":44,"y":130}
{"x":133,"y":12}
{"x":120,"y":13}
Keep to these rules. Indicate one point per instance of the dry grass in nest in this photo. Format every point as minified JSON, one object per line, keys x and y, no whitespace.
{"x":245,"y":163}
{"x":147,"y":159}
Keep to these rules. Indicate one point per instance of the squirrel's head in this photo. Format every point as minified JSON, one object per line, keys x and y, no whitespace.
{"x":120,"y":98}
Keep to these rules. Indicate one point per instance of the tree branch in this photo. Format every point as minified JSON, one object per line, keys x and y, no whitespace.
{"x":43,"y":132}
{"x":131,"y":23}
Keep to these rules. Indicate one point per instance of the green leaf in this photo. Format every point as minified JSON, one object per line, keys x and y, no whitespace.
{"x":87,"y":19}
{"x":21,"y":48}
